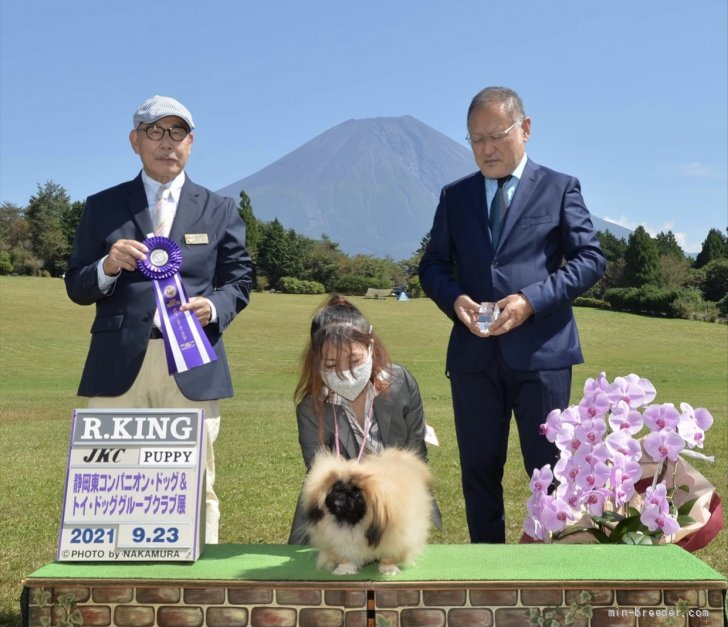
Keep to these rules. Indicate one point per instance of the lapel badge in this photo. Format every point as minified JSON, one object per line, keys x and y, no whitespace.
{"x":196,"y":238}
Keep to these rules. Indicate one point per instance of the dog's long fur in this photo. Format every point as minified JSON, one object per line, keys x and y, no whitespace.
{"x":358,"y":513}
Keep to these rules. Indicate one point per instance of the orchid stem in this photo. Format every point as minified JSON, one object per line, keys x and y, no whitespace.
{"x":657,"y":473}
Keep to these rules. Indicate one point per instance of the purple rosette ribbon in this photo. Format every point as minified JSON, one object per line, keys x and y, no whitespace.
{"x":185,"y":343}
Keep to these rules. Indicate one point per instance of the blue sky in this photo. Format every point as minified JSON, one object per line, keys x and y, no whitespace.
{"x":628,"y":96}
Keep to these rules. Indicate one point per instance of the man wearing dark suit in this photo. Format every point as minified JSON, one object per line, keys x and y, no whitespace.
{"x":533,"y":256}
{"x":126,"y":364}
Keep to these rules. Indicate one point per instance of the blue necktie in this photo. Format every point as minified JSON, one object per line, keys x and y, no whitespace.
{"x":498,"y":207}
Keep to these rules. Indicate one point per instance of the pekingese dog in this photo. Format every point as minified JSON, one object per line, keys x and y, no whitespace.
{"x":379,"y":509}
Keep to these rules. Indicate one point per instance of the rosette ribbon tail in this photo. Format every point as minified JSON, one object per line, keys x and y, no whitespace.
{"x":185,"y":343}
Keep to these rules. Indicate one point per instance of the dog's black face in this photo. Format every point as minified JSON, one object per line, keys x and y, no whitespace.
{"x":346,"y":503}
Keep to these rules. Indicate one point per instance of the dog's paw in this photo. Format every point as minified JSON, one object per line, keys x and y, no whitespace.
{"x":388,"y":569}
{"x":347,"y":568}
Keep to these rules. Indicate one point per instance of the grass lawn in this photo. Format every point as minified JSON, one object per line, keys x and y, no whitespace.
{"x":44,"y":338}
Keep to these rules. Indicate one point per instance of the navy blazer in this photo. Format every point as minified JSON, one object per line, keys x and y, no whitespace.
{"x":219,"y":270}
{"x":548,"y":251}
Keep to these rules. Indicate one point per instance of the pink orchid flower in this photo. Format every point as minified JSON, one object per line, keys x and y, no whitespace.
{"x":541,"y":479}
{"x":653,"y":518}
{"x":571,"y":415}
{"x":556,"y":419}
{"x":572,"y":438}
{"x":599,"y":454}
{"x":701,"y":416}
{"x":657,"y":497}
{"x":534,"y":504}
{"x":661,"y":445}
{"x":551,"y":427}
{"x":557,"y":514}
{"x":622,"y":442}
{"x":691,"y":433}
{"x":596,"y":385}
{"x":563,"y":468}
{"x":622,"y":493}
{"x":631,"y":389}
{"x":593,"y":430}
{"x":626,"y":470}
{"x":622,"y":417}
{"x":693,"y":425}
{"x":594,"y":501}
{"x":594,"y":405}
{"x":565,"y":438}
{"x":654,"y":521}
{"x":659,"y":417}
{"x":645,"y":384}
{"x":592,"y":477}
{"x":586,"y":456}
{"x":622,"y":477}
{"x":533,"y":527}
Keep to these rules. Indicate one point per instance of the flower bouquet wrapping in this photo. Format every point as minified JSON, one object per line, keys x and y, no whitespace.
{"x":612,"y":487}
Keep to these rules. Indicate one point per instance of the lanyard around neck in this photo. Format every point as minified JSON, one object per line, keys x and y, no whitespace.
{"x":368,"y":416}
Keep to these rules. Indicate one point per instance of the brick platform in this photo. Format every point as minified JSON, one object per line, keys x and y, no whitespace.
{"x":261,"y":604}
{"x":148,"y":596}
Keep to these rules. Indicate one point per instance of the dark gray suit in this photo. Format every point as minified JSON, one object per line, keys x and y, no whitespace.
{"x":219,"y":270}
{"x":399,"y":413}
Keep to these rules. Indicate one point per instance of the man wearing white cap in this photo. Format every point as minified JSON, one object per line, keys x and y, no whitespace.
{"x":126,"y":364}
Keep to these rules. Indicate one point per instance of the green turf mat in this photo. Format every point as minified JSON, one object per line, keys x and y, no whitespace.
{"x":440,"y":562}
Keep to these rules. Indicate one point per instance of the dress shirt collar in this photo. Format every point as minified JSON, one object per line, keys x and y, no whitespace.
{"x":151,"y":187}
{"x":491,"y":185}
{"x":516,"y":174}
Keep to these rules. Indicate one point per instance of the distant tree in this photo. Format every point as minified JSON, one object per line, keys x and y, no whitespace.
{"x":715,"y":246}
{"x":423,"y":243}
{"x":612,"y":247}
{"x":289,"y":285}
{"x":667,"y":245}
{"x":715,"y":287}
{"x":378,"y":272}
{"x":674,"y":270}
{"x":324,"y":262}
{"x":299,"y":246}
{"x":5,"y":266}
{"x":252,"y":231}
{"x":281,"y":253}
{"x":15,"y":241}
{"x":273,"y":252}
{"x":613,"y":277}
{"x":641,"y":260}
{"x":353,"y":284}
{"x":614,"y":250}
{"x":70,"y":220}
{"x":45,"y":214}
{"x":414,"y":288}
{"x":25,"y":262}
{"x":14,"y":237}
{"x":252,"y":226}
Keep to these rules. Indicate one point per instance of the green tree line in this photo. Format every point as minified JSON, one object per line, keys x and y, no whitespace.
{"x":644,"y":274}
{"x":653,"y":275}
{"x":37,"y":239}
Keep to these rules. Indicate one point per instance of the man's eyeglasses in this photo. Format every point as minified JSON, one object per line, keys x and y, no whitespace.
{"x":155,"y":133}
{"x":492,"y":139}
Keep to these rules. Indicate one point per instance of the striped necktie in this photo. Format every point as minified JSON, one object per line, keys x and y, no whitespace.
{"x":163,"y":213}
{"x":498,"y":207}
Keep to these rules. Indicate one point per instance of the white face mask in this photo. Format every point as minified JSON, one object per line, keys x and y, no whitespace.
{"x":353,"y":381}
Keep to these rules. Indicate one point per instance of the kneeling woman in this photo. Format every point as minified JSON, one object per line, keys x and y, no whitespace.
{"x":351,"y":399}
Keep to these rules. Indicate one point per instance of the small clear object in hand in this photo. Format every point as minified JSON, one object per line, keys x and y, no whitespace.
{"x":486,"y":314}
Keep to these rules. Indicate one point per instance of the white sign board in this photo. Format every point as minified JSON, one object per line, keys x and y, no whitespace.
{"x":134,"y":486}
